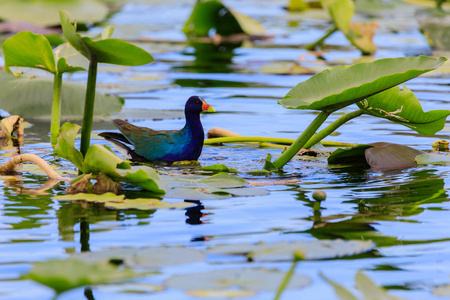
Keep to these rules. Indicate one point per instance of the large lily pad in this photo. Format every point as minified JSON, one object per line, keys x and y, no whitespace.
{"x":247,"y":279}
{"x":31,"y":97}
{"x":145,"y":257}
{"x":389,"y":156}
{"x":403,"y":107}
{"x":318,"y":249}
{"x":336,"y":88}
{"x":63,"y":275}
{"x":45,"y":12}
{"x":146,"y":204}
{"x":107,"y":197}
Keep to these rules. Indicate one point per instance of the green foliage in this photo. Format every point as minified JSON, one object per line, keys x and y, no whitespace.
{"x":101,"y":50}
{"x":353,"y":156}
{"x":101,"y":159}
{"x":341,"y":11}
{"x":63,"y":275}
{"x":212,"y":16}
{"x":65,"y":147}
{"x":336,"y":88}
{"x":402,"y":106}
{"x":105,"y":50}
{"x":32,"y":98}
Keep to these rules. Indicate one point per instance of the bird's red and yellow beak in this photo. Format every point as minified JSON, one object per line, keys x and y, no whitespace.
{"x":207,"y":107}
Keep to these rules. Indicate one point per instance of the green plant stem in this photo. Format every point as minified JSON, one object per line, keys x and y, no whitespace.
{"x":89,"y":107}
{"x":332,"y":127}
{"x":269,"y":141}
{"x":248,"y":139}
{"x":56,"y":109}
{"x":301,"y":140}
{"x":286,"y":280}
{"x":320,"y":41}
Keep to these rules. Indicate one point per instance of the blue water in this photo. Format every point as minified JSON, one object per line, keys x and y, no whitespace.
{"x":405,"y":212}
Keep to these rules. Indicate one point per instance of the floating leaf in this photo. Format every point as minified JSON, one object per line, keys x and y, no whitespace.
{"x":317,"y":249}
{"x":107,"y":197}
{"x":32,"y":98}
{"x":129,"y":288}
{"x":146,"y":204}
{"x":402,"y":106}
{"x":247,"y":279}
{"x":195,"y":194}
{"x":145,"y":257}
{"x":217,"y":168}
{"x":222,"y":293}
{"x":142,"y":176}
{"x":389,"y":156}
{"x":433,"y":159}
{"x":45,"y":13}
{"x":244,"y":192}
{"x":63,"y":275}
{"x":341,"y":86}
{"x":224,"y":180}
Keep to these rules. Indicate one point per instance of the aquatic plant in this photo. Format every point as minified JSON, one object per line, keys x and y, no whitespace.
{"x":337,"y":88}
{"x":26,"y":49}
{"x":101,"y":49}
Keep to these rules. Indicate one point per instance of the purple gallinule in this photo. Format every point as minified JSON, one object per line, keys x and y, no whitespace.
{"x":162,"y":145}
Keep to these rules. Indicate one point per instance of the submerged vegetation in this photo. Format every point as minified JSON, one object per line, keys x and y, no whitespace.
{"x":290,"y":228}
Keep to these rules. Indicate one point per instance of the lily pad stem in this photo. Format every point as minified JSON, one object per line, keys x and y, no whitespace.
{"x":320,"y":41}
{"x":89,"y":107}
{"x":301,"y":140}
{"x":332,"y":127}
{"x":17,"y":160}
{"x":286,"y":280}
{"x":56,"y":109}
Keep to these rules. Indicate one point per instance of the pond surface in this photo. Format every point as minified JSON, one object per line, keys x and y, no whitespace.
{"x":404,"y":212}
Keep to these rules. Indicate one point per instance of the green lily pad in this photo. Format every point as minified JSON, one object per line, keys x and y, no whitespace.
{"x":105,"y":50}
{"x":45,"y":13}
{"x":146,"y":204}
{"x":244,"y":192}
{"x":217,"y":168}
{"x":246,"y":279}
{"x":107,"y":197}
{"x":33,"y":98}
{"x":403,"y":107}
{"x":129,"y":288}
{"x":153,"y":257}
{"x":224,"y":180}
{"x":222,"y":294}
{"x":336,"y":88}
{"x":195,"y":194}
{"x":317,"y":249}
{"x":63,"y":275}
{"x":433,"y":158}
